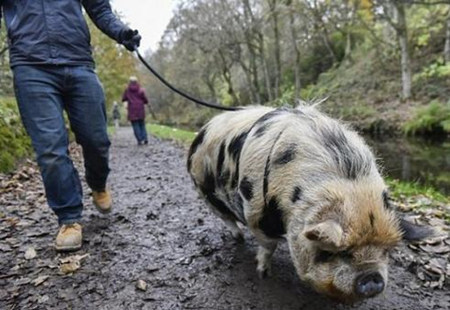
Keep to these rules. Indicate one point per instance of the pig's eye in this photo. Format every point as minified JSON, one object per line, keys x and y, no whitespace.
{"x":324,"y":256}
{"x":346,"y":254}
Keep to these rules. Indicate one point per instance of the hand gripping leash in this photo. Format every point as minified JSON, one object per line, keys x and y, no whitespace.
{"x":181,"y":93}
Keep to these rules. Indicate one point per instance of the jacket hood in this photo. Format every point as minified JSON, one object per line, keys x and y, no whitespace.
{"x":134,"y":87}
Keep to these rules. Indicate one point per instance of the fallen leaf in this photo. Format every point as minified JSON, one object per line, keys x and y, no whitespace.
{"x":69,"y":259}
{"x":141,"y":285}
{"x":71,"y":264}
{"x":435,"y":240}
{"x":435,"y":249}
{"x":39,"y":280}
{"x":70,"y":267}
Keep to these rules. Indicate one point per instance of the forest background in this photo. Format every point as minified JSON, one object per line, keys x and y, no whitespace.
{"x":383,"y":65}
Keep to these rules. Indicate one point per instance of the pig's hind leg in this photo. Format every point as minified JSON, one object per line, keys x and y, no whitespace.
{"x":266,"y":249}
{"x":229,"y":219}
{"x":235,"y":230}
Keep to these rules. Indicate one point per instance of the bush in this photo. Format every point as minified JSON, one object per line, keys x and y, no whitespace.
{"x":14,"y":142}
{"x":435,"y":118}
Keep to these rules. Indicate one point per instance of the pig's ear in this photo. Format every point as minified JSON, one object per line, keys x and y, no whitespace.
{"x":329,"y":234}
{"x":412,"y":232}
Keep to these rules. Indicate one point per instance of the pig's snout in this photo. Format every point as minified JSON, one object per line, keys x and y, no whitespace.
{"x":369,"y":284}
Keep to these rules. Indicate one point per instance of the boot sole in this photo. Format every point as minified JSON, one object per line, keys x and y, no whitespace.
{"x":103,"y":211}
{"x":67,"y":248}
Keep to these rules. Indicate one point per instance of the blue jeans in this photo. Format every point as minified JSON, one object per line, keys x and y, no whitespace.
{"x":140,"y":132}
{"x":43,"y":93}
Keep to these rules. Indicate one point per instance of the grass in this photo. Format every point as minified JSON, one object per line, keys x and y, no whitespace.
{"x":400,"y":189}
{"x":169,"y":133}
{"x":181,"y":136}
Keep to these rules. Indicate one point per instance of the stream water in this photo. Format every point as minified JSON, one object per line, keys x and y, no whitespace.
{"x":415,"y":160}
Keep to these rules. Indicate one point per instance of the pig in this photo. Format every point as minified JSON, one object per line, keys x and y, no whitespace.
{"x":299,"y":175}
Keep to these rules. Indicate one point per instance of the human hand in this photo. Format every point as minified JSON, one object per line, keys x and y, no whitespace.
{"x":130,"y":39}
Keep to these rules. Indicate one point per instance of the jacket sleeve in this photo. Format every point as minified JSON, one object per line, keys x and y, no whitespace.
{"x":103,"y":17}
{"x":144,"y":97}
{"x":124,"y":96}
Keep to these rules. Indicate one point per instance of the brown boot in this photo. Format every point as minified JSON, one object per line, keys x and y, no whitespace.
{"x":102,"y":200}
{"x":69,"y":237}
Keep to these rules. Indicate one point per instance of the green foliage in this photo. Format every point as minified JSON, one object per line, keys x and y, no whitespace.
{"x":171,"y":133}
{"x":434,"y":118}
{"x":437,"y":69}
{"x":356,"y":111}
{"x":14,"y":143}
{"x":400,"y":189}
{"x":420,"y":25}
{"x":6,"y":88}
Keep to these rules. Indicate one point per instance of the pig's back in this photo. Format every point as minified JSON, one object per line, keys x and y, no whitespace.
{"x":214,"y":158}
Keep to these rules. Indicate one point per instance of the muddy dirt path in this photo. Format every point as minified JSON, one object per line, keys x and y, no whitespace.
{"x":162,"y":233}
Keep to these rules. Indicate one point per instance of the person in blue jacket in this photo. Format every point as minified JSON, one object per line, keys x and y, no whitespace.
{"x":53,"y":69}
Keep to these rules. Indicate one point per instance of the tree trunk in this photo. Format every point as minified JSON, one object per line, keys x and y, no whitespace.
{"x":227,"y":77}
{"x":328,"y":45}
{"x":447,"y":41}
{"x":265,"y":67}
{"x":276,"y":32}
{"x":402,"y":34}
{"x":251,"y":86}
{"x":210,"y":83}
{"x":297,"y":85}
{"x":348,"y":46}
{"x":249,"y":37}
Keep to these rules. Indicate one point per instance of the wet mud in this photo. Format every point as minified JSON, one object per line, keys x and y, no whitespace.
{"x":162,"y":234}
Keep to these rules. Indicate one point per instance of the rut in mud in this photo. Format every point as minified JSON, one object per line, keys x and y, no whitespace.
{"x":159,"y":232}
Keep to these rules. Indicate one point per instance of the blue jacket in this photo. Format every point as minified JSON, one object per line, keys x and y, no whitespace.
{"x":55,"y":31}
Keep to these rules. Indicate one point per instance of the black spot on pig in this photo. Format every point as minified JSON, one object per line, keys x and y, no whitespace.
{"x":386,"y":201}
{"x":246,"y":188}
{"x":234,"y":179}
{"x":271,"y":222}
{"x":220,"y":159}
{"x":269,"y":116}
{"x":286,"y":156}
{"x":261,"y":130}
{"x":296,"y":195}
{"x":266,"y":178}
{"x":372,"y":220}
{"x":352,"y":163}
{"x":234,"y":149}
{"x":413,"y":232}
{"x":224,"y":178}
{"x":267,"y":169}
{"x":194,"y":146}
{"x":235,"y":146}
{"x":208,"y":188}
{"x":262,"y":124}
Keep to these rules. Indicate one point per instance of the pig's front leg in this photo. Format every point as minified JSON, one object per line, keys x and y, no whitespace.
{"x":264,"y":256}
